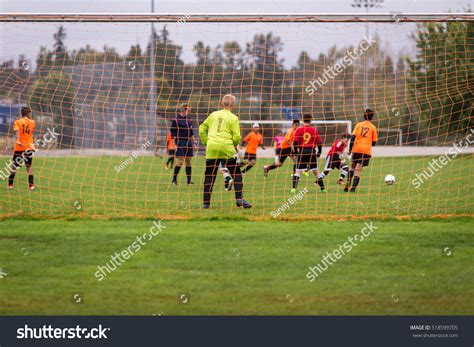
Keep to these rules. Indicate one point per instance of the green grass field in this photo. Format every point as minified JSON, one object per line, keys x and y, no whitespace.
{"x":231,"y":261}
{"x":91,"y":187}
{"x":240,"y":267}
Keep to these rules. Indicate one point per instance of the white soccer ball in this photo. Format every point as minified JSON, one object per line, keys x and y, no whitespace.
{"x":390,"y":179}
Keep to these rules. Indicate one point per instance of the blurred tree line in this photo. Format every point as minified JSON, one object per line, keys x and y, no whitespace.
{"x":425,"y":96}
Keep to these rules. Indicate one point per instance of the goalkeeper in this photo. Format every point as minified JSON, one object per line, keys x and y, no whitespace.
{"x":220,"y":132}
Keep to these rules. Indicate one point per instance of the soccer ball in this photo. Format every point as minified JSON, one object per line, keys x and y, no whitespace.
{"x":390,"y":179}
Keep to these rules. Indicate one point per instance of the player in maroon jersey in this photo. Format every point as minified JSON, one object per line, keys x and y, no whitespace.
{"x":334,"y":160}
{"x":306,"y":140}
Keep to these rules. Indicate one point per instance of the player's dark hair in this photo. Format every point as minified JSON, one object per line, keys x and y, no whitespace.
{"x":346,"y":136}
{"x":25,"y":111}
{"x":368,"y":114}
{"x":296,"y":121}
{"x":184,"y":106}
{"x":307,"y":118}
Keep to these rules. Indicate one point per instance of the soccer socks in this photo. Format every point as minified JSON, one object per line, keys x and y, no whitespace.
{"x":189,"y":170}
{"x":225,"y":173}
{"x":323,"y":174}
{"x":170,"y":161}
{"x":271,"y":167}
{"x":247,"y":168}
{"x":296,"y":178}
{"x":344,"y":171}
{"x":11,"y":178}
{"x":321,"y":183}
{"x":349,"y":178}
{"x":356,"y":183}
{"x":176,"y":172}
{"x":321,"y":177}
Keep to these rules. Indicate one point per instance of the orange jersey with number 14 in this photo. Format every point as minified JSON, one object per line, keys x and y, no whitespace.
{"x":365,"y":133}
{"x":26,"y":127}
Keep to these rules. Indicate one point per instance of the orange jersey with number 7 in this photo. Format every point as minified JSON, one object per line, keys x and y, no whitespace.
{"x":365,"y":133}
{"x":26,"y":127}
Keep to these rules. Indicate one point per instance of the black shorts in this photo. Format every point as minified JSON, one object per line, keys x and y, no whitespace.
{"x":171,"y":152}
{"x":22,"y":157}
{"x":249,"y":156}
{"x":361,"y":158}
{"x":333,"y":161}
{"x":307,"y":160}
{"x":185,"y":149}
{"x":283,"y":154}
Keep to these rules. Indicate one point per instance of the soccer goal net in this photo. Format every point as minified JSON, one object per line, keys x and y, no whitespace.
{"x":107,"y":92}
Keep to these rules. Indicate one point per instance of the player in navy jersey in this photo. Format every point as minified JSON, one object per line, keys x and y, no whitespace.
{"x":306,"y":140}
{"x":183,"y":136}
{"x":334,"y":160}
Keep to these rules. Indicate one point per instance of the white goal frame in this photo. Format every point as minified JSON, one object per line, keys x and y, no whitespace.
{"x":394,"y":130}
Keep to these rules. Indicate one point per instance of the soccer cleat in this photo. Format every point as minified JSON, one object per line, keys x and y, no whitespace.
{"x":346,"y":189}
{"x":324,"y":190}
{"x":174,"y":183}
{"x":293,"y":190}
{"x":243,"y":203}
{"x":265,"y":171}
{"x":31,"y":187}
{"x":189,"y":183}
{"x":228,"y":183}
{"x":166,"y":167}
{"x":353,"y":190}
{"x":10,"y":186}
{"x":206,"y":206}
{"x":340,"y":181}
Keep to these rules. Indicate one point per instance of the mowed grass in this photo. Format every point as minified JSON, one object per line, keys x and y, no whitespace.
{"x":90,"y":186}
{"x":237,"y":268}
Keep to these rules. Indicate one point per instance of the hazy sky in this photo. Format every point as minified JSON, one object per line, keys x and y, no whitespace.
{"x":17,"y":38}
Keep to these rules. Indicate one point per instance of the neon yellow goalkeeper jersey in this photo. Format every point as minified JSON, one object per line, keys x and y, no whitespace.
{"x":221,"y":133}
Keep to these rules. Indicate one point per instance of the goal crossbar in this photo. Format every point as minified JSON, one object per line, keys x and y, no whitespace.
{"x":236,"y":17}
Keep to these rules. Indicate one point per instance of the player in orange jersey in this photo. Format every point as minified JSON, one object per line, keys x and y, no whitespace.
{"x":363,"y":138}
{"x":285,"y":149}
{"x":24,"y":147}
{"x":253,"y":140}
{"x":171,"y":146}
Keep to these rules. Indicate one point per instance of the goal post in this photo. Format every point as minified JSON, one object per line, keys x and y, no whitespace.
{"x":105,"y":89}
{"x":398,"y":133}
